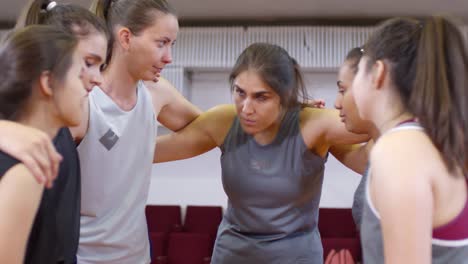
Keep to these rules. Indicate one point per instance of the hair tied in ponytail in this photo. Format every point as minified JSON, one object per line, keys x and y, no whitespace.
{"x":46,"y":7}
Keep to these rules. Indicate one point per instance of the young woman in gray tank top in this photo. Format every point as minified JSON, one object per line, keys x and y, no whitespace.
{"x":411,"y":84}
{"x":344,"y":103}
{"x":273,"y":155}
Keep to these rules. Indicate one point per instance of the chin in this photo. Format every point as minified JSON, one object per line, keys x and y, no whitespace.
{"x":72,"y":122}
{"x":249,"y":130}
{"x":349,"y":127}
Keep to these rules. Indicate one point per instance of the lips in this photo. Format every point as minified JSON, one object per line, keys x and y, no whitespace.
{"x":157,"y":70}
{"x":248,"y":122}
{"x":343,"y":118}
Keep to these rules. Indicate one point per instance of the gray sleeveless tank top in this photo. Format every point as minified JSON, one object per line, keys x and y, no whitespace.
{"x":359,"y":200}
{"x":449,"y":243}
{"x":273,"y":198}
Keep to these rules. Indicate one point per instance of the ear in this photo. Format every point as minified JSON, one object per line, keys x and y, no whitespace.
{"x":123,"y":37}
{"x":45,"y":84}
{"x":380,"y":74}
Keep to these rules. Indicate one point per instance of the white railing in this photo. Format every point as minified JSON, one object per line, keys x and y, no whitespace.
{"x":313,"y":47}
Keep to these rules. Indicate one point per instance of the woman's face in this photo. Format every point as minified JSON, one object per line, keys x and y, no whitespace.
{"x":345,"y":103}
{"x":92,"y":49}
{"x":151,"y":50}
{"x":257,"y":104}
{"x":70,"y":94}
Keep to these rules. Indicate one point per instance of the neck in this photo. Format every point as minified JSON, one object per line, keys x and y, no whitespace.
{"x":389,"y":111}
{"x":269,"y":134}
{"x":374,"y":133}
{"x":392,"y":120}
{"x":40,"y":117}
{"x":118,"y":82}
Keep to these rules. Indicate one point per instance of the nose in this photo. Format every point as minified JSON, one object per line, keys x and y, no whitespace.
{"x":84,"y":80}
{"x":167,"y":56}
{"x":96,"y":79}
{"x":247,"y":107}
{"x":338,"y":100}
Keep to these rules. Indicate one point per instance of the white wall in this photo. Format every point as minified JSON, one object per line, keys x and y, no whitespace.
{"x":197,"y":181}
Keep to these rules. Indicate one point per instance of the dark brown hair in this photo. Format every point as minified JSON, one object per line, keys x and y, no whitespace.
{"x":429,"y":66}
{"x":353,"y":57}
{"x":277,"y":69}
{"x":24,"y":56}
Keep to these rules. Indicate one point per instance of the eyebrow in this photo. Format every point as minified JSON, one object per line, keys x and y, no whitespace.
{"x":256,"y":94}
{"x":95,"y":57}
{"x":166,"y":39}
{"x":262,"y":93}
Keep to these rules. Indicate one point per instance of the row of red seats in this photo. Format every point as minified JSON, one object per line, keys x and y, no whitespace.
{"x":182,"y":248}
{"x":192,"y":241}
{"x":188,"y":243}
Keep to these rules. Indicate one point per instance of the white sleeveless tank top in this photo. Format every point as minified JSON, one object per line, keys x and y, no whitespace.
{"x":116,"y":159}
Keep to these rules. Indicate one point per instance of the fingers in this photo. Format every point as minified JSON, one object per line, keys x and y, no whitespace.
{"x":54,"y":157}
{"x":35,"y":169}
{"x":316,"y":103}
{"x":51,"y":163}
{"x":330,"y":257}
{"x":341,"y":256}
{"x":320,"y":103}
{"x":348,"y":257}
{"x":42,"y":160}
{"x":35,"y":150}
{"x":39,"y":155}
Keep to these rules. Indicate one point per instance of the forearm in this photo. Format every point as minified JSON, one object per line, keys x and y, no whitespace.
{"x":355,"y":157}
{"x":201,"y":135}
{"x":178,"y":146}
{"x":177,"y":112}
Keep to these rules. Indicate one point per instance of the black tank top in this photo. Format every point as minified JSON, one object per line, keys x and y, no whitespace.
{"x":55,"y":233}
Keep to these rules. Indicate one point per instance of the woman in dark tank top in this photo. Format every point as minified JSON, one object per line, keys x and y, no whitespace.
{"x":273,"y":154}
{"x":54,"y":235}
{"x":42,"y":81}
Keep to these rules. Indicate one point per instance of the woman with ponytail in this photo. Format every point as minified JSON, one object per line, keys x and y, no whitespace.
{"x":116,"y":154}
{"x":55,"y":233}
{"x":40,"y":87}
{"x":412,"y":85}
{"x":274,"y":150}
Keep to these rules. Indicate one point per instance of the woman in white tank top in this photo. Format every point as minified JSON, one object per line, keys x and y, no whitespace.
{"x":118,"y":143}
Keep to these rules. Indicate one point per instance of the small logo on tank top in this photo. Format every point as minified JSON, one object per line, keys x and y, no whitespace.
{"x":260,"y":164}
{"x":109,"y":139}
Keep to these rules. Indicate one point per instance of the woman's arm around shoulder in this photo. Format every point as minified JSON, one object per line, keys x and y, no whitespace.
{"x":203,"y":134}
{"x":175,"y":111}
{"x":33,"y":148}
{"x":322,"y":128}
